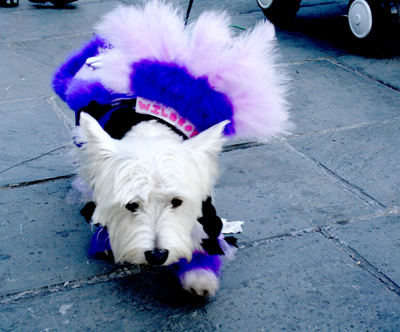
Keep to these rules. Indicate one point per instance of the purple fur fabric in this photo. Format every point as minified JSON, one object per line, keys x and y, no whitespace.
{"x":80,"y":93}
{"x":199,"y":261}
{"x":173,"y":86}
{"x":100,"y":244}
{"x":205,"y":71}
{"x":66,"y":72}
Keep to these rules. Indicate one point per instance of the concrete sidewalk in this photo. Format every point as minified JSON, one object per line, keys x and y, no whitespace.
{"x":320,"y":249}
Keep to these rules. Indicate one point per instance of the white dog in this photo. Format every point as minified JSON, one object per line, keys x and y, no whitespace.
{"x":154,"y":103}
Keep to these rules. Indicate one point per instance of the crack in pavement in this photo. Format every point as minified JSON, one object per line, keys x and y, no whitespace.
{"x":346,"y":185}
{"x":35,"y":158}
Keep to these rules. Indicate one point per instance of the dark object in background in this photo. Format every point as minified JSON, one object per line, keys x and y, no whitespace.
{"x":369,"y":20}
{"x":57,"y":3}
{"x":9,"y":3}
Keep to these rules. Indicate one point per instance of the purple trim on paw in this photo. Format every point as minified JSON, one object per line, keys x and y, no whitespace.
{"x":199,"y":261}
{"x":100,"y":243}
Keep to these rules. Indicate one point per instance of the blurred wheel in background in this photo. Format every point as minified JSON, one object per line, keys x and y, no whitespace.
{"x":279,"y":10}
{"x":374,"y":20}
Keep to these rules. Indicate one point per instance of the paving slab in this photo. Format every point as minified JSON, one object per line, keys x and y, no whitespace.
{"x":376,"y":240}
{"x":51,"y":52}
{"x":45,"y":21}
{"x":302,"y":284}
{"x":54,"y":164}
{"x":22,"y":76}
{"x":344,"y":98}
{"x":312,"y":26}
{"x":276,"y":191}
{"x":37,"y":142}
{"x":44,"y":240}
{"x":386,"y":70}
{"x":367,"y":157}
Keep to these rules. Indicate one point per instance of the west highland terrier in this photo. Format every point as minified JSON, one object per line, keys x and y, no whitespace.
{"x":155,"y":101}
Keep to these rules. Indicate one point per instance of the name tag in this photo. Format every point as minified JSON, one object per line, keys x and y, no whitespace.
{"x":168,"y":114}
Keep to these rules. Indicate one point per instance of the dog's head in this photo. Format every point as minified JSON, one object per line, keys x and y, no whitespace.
{"x":149,"y":187}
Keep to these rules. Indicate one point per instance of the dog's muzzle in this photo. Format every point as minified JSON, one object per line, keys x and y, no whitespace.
{"x":156,"y":256}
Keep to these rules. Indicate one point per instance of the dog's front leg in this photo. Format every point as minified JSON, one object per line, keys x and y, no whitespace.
{"x":200,"y":276}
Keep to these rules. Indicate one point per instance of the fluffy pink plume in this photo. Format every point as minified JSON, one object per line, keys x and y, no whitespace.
{"x":242,"y":67}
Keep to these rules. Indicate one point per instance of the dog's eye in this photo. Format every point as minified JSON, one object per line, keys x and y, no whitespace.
{"x":176,"y":202}
{"x":132,"y":206}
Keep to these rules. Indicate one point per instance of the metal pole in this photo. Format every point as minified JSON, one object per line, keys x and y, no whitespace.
{"x":188,"y":11}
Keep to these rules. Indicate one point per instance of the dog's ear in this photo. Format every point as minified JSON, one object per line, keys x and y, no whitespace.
{"x":209,"y":141}
{"x":91,"y":136}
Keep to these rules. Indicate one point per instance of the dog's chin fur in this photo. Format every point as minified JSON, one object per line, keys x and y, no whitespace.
{"x":150,"y":166}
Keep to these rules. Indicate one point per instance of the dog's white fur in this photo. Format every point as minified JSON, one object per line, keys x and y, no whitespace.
{"x":151,"y":165}
{"x":201,"y":282}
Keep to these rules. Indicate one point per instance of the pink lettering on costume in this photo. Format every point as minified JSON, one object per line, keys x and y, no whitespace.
{"x":167,"y":114}
{"x":155,"y":109}
{"x":173,"y":117}
{"x":181,"y":122}
{"x":144,"y":106}
{"x":195,"y":133}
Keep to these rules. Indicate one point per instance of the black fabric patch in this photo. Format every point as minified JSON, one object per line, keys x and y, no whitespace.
{"x":212,"y":225}
{"x":231,"y":240}
{"x":122,"y":118}
{"x":94,"y":109}
{"x":88,"y":210}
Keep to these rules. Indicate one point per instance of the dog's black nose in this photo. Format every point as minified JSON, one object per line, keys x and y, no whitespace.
{"x":156,"y":256}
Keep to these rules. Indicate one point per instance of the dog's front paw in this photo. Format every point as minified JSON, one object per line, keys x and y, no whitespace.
{"x":200,"y":282}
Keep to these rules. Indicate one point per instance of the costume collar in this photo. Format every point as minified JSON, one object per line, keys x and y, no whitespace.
{"x":167,"y":114}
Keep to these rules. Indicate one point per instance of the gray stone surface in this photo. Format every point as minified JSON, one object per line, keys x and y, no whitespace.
{"x":32,"y":133}
{"x":277,"y":191}
{"x":378,"y":241}
{"x":303,"y":284}
{"x":366,"y":156}
{"x":44,"y":240}
{"x":319,"y":249}
{"x":343,"y":99}
{"x":385,"y":70}
{"x":46,"y":21}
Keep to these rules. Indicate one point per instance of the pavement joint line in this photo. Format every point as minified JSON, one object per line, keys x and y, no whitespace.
{"x":227,"y":148}
{"x":346,"y":185}
{"x":279,"y":237}
{"x":361,"y":261}
{"x":89,"y":33}
{"x":295,"y":63}
{"x":10,"y":46}
{"x":136,"y":269}
{"x":121,"y":273}
{"x":363,"y":74}
{"x":241,"y":146}
{"x":22,"y":100}
{"x":70,"y":125}
{"x":36,"y":158}
{"x":338,"y":129}
{"x":31,"y":183}
{"x":69,"y":285}
{"x":392,"y":210}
